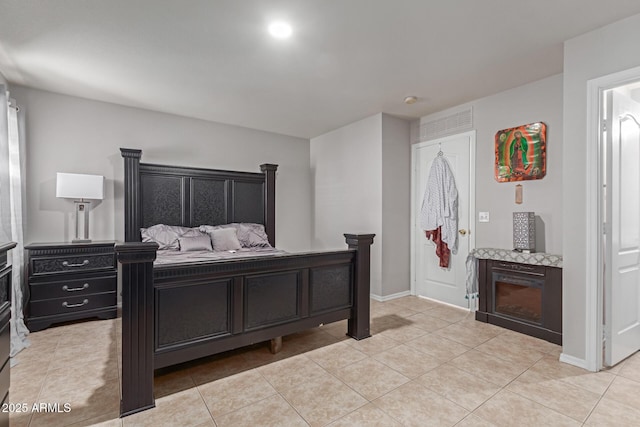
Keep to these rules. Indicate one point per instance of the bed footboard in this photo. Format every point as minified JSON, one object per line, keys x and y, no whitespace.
{"x":172,"y":314}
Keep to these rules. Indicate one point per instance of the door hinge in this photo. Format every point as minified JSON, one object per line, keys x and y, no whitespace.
{"x":604,"y":126}
{"x":604,"y":228}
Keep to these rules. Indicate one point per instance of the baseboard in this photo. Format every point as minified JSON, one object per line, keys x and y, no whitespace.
{"x":390,"y":297}
{"x":571,"y":360}
{"x":446,"y":303}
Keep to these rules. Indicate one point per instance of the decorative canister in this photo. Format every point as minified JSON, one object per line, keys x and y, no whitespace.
{"x":524,"y":231}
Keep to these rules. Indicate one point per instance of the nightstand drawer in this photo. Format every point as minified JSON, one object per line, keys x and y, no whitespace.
{"x":5,"y":378}
{"x":5,"y":285}
{"x":72,"y":304}
{"x":71,"y":263}
{"x":72,"y":288}
{"x":5,"y":337}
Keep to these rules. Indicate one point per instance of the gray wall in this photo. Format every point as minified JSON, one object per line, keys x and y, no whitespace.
{"x":396,"y":201}
{"x":610,"y":49}
{"x":68,"y":134}
{"x":361,"y":178}
{"x":539,"y":101}
{"x":533,"y":102}
{"x":346,"y":165}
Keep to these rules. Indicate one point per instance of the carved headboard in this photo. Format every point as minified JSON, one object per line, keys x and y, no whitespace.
{"x":175,"y":195}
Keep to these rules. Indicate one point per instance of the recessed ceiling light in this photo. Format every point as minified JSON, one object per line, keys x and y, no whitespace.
{"x":280,"y":29}
{"x":410,"y":100}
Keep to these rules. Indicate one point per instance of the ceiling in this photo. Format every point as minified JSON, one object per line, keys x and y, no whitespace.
{"x":346,"y":59}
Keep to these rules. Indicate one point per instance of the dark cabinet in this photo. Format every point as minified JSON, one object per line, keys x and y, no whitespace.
{"x":70,"y":281}
{"x":5,"y":330}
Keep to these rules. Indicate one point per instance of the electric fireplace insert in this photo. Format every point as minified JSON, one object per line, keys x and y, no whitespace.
{"x":521,"y":297}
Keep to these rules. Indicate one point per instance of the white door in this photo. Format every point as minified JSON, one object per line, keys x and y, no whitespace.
{"x":622,"y":268}
{"x":430,"y":280}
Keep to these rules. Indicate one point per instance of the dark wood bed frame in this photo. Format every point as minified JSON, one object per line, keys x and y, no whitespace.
{"x":176,"y":313}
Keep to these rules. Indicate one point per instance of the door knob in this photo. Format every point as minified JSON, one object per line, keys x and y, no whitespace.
{"x":462,"y":231}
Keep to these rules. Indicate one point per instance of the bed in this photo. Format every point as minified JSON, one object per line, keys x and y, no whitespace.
{"x":176,"y":311}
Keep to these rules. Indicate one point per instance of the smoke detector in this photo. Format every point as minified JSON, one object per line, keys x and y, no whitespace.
{"x":410,"y":100}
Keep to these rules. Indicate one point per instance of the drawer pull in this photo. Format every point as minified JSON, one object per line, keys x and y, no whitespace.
{"x":68,"y":289}
{"x":82,"y":264}
{"x":84,"y":302}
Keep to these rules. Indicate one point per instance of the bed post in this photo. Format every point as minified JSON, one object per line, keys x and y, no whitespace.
{"x":131,"y":194}
{"x":358,"y":325}
{"x":270,"y":201}
{"x":135,"y":269}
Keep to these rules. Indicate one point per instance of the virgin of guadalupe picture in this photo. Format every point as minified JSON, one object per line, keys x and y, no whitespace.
{"x":521,"y":153}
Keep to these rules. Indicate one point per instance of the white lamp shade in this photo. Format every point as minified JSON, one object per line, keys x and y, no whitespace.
{"x":79,"y":186}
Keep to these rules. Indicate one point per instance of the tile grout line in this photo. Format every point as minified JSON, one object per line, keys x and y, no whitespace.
{"x":284,"y":398}
{"x":203,"y":400}
{"x":44,"y":381}
{"x":547,"y":407}
{"x":605,"y":392}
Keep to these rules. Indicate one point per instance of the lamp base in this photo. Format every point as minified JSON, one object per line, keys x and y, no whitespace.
{"x":82,"y":221}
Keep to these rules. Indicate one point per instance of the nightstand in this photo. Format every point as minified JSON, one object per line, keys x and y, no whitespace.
{"x":70,"y":281}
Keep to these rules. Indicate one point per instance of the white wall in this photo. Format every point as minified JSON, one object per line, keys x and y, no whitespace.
{"x":533,"y":102}
{"x":396,"y":200}
{"x":346,"y":166}
{"x":607,"y":50}
{"x":69,"y":134}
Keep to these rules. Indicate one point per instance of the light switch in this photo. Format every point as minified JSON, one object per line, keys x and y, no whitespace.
{"x":483,"y":216}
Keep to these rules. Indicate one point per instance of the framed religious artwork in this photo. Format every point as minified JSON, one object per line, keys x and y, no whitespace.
{"x":521,"y":153}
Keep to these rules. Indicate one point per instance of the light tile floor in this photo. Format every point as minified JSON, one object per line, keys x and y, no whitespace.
{"x":426,"y":364}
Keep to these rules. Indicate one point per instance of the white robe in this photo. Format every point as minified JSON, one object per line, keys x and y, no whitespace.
{"x":440,"y":203}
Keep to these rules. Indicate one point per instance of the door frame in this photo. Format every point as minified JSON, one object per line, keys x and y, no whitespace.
{"x":415,"y":203}
{"x":594,"y":319}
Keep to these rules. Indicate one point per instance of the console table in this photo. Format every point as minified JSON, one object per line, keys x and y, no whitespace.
{"x":521,"y":292}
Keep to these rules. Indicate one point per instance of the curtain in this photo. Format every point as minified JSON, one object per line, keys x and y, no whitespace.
{"x":11,"y":213}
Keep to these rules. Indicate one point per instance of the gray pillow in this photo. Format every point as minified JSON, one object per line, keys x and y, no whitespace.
{"x":194,"y":232}
{"x":209,"y":228}
{"x":250,"y":235}
{"x":196,"y":243}
{"x":166,"y":236}
{"x":253,"y":236}
{"x":224,"y":239}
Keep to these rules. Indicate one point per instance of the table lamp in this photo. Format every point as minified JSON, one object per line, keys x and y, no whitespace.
{"x":80,"y":186}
